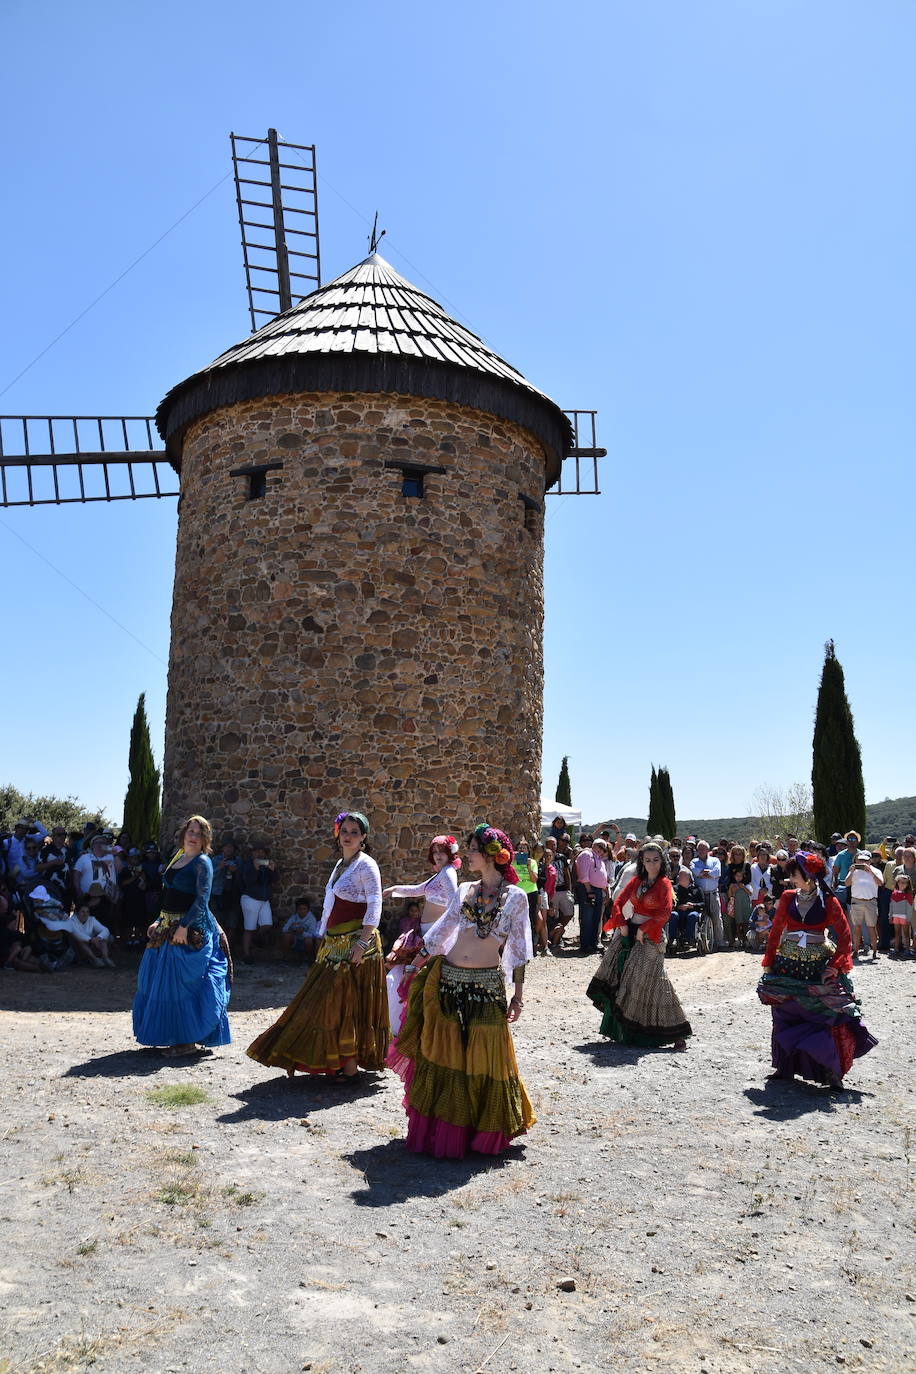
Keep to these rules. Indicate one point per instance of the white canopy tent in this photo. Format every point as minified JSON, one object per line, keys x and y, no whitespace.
{"x":552,"y":809}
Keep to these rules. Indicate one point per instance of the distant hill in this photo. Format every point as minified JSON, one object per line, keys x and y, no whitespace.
{"x":897,"y":817}
{"x":892,"y":818}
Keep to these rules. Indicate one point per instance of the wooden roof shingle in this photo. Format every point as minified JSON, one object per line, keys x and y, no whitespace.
{"x":369,"y":329}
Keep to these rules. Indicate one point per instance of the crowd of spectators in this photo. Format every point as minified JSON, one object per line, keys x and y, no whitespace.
{"x":68,"y":898}
{"x":735,"y":885}
{"x":72,"y":898}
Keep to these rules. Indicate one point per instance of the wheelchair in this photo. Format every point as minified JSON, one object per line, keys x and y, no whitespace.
{"x":704,"y":938}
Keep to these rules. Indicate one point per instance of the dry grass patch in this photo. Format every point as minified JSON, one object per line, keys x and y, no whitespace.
{"x":179,"y":1192}
{"x":187,"y":1159}
{"x":76,"y":1354}
{"x":232,"y":1193}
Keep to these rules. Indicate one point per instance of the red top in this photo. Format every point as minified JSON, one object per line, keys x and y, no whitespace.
{"x":344,"y":912}
{"x":833,"y":915}
{"x":550,"y":881}
{"x":656,"y":904}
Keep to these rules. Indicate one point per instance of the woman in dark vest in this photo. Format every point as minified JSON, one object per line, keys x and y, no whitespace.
{"x":338,"y":1021}
{"x":817,"y":1022}
{"x":185,"y":975}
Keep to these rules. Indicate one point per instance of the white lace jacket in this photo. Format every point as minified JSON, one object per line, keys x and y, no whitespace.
{"x":361,"y":882}
{"x":512,"y":928}
{"x":437,"y":890}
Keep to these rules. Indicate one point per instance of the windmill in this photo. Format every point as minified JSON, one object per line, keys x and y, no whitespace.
{"x":355,"y":475}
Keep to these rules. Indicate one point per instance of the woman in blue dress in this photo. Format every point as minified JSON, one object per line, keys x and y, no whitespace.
{"x":185,"y":974}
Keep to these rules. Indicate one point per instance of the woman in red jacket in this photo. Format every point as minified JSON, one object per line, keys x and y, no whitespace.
{"x":817,"y":1025}
{"x":631,"y":986}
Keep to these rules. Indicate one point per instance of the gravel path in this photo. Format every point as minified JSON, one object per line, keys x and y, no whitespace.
{"x":699,"y":1218}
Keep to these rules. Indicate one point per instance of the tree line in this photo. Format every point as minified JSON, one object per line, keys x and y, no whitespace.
{"x":835,"y":800}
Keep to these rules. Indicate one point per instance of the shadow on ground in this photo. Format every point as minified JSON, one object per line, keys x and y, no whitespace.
{"x":135,"y":1063}
{"x":262,"y":987}
{"x":780,"y":1100}
{"x":394,"y":1174}
{"x":607,"y":1054}
{"x":278,"y":1098}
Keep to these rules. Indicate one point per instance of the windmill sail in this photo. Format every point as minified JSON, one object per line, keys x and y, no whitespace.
{"x":59,"y":460}
{"x":276,"y":190}
{"x":582,"y":457}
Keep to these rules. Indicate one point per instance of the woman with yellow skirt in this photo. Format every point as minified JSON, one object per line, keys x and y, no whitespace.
{"x":454,"y":1051}
{"x":337,"y":1023}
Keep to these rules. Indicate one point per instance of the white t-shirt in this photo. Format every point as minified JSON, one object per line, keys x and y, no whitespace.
{"x":88,"y":930}
{"x":864,"y":882}
{"x":89,"y":869}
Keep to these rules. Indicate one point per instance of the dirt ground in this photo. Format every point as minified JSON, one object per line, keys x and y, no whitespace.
{"x":708,"y":1221}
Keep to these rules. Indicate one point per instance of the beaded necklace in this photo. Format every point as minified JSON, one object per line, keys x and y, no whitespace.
{"x":477,"y":910}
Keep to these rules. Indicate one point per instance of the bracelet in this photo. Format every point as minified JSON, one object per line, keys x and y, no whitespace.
{"x":363,"y":944}
{"x":516,"y":998}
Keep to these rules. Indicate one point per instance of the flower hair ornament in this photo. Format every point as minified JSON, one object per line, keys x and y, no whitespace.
{"x":350,"y":816}
{"x":450,"y":845}
{"x":498,"y":848}
{"x":812,"y":865}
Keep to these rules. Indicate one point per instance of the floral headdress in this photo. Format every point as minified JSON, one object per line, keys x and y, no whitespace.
{"x":351,"y":816}
{"x":812,"y":865}
{"x":498,"y":847}
{"x":449,"y":843}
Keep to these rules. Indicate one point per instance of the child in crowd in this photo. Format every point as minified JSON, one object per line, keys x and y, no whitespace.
{"x":409,"y":921}
{"x":300,"y":932}
{"x":761,"y":920}
{"x":90,"y":937}
{"x":901,"y":913}
{"x":15,"y":954}
{"x":52,"y":945}
{"x":539,"y":932}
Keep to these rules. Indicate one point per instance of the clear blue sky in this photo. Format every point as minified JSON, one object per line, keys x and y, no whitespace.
{"x":696,"y":217}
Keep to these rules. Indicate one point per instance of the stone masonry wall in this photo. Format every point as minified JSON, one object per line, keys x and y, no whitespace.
{"x":336,"y":644}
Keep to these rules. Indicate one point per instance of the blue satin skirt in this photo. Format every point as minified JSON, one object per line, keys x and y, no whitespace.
{"x":183,"y":995}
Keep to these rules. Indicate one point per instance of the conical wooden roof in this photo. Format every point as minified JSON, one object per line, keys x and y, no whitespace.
{"x":368,"y":330}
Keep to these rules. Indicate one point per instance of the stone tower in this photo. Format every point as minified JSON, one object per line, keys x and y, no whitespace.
{"x":358,"y":604}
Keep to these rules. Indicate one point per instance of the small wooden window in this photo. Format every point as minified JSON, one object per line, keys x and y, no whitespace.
{"x":412,"y":482}
{"x":413,"y":476}
{"x":531,"y":513}
{"x":256,"y":478}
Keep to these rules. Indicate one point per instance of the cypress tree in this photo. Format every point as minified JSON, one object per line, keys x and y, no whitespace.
{"x":141,"y":804}
{"x":836,"y":769}
{"x":564,"y":790}
{"x":669,"y":822}
{"x":655,"y":821}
